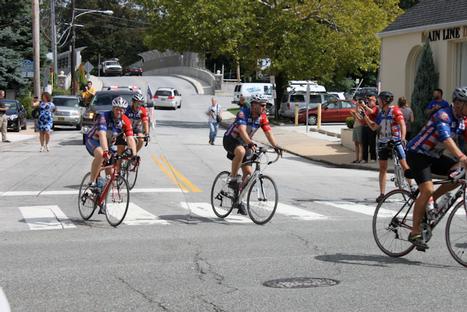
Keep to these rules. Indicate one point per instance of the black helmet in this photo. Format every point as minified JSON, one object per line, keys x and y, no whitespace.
{"x":386,"y":96}
{"x":460,"y":94}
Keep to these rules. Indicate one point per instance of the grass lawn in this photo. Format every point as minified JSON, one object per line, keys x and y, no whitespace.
{"x":234,"y":110}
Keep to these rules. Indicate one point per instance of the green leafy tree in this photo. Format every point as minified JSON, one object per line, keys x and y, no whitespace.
{"x":426,"y":80}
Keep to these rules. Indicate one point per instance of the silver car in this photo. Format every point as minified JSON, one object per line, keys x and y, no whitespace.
{"x":68,"y":111}
{"x":167,"y":97}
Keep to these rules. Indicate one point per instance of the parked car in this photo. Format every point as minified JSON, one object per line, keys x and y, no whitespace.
{"x":68,"y":112}
{"x":331,"y":111}
{"x":16,"y":115}
{"x":248,"y":89}
{"x":101,"y":102}
{"x":134,"y":71}
{"x":167,"y":97}
{"x":111,"y":68}
{"x":289,"y":100}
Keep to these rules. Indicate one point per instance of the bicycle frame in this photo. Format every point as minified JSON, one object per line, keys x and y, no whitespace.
{"x":114,"y":167}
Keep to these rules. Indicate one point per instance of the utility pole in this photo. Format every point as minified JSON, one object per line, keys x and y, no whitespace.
{"x":54,"y":40}
{"x":36,"y":47}
{"x":73,"y":59}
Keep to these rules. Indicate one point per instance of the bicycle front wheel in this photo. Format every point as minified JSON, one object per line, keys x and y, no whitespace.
{"x":262,"y":200}
{"x":392,"y":223}
{"x":222,"y":197}
{"x":117,"y":201}
{"x":131,"y":172}
{"x":86,"y":199}
{"x":456,"y":233}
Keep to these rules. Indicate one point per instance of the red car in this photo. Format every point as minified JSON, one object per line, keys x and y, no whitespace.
{"x":331,"y":111}
{"x":134,"y":71}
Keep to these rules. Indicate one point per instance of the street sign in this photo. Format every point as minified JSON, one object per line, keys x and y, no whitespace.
{"x":27,"y":68}
{"x":88,"y":67}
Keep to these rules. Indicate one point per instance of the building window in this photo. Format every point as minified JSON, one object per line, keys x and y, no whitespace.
{"x":462,"y":64}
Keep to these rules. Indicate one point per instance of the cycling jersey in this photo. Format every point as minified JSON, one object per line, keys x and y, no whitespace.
{"x":441,"y":104}
{"x":244,"y":118}
{"x":441,"y":126}
{"x":137,"y":117}
{"x":106,"y":122}
{"x":389,"y":124}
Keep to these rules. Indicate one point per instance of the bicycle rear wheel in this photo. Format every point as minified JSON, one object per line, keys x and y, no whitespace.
{"x":262,"y":200}
{"x":222,"y":197}
{"x":392,"y":223}
{"x":456,"y":233}
{"x":86,"y":199}
{"x":117,"y":201}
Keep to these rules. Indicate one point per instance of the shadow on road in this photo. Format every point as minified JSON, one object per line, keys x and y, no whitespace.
{"x":193,"y":219}
{"x":71,"y":142}
{"x":377,"y":261}
{"x":183,"y":124}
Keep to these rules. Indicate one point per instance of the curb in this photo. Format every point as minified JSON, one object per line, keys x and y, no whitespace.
{"x":322,"y":131}
{"x":197,"y":85}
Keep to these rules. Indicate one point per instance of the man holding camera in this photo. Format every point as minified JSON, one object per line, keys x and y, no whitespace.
{"x":88,"y":93}
{"x":368,"y":135}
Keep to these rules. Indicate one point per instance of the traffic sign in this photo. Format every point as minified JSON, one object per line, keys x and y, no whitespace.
{"x":88,"y":67}
{"x":27,"y":68}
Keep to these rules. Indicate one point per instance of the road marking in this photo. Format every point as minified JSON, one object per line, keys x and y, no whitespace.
{"x":45,"y":218}
{"x":204,"y":210}
{"x":298,"y":213}
{"x":138,"y":216}
{"x":181,"y":177}
{"x":75,"y":192}
{"x":4,"y":305}
{"x":168,"y":173}
{"x":358,"y":208}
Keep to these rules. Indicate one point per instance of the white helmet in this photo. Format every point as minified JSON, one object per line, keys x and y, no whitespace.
{"x":120,"y":102}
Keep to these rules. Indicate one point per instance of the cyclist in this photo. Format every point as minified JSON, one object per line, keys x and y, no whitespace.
{"x":425,"y":155}
{"x":238,"y":139}
{"x":109,"y":129}
{"x":391,"y":125}
{"x":137,"y":113}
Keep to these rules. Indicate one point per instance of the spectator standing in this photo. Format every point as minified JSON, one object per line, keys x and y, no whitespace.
{"x":368,"y":135}
{"x":45,"y":120}
{"x":408,"y":116}
{"x":357,"y":130}
{"x":214,"y":118}
{"x":3,"y":118}
{"x":88,"y":93}
{"x":436,"y":103}
{"x":241,"y":101}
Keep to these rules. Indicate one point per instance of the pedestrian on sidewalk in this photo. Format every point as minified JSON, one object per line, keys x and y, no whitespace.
{"x":368,"y":135}
{"x":357,"y":115}
{"x":45,"y":120}
{"x":408,"y":116}
{"x":214,"y":118}
{"x":436,"y":103}
{"x":3,"y":118}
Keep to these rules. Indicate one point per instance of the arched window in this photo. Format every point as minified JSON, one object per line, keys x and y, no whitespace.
{"x":411,"y":69}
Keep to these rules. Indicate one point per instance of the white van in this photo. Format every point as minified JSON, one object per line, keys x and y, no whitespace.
{"x":300,"y":86}
{"x":248,"y":89}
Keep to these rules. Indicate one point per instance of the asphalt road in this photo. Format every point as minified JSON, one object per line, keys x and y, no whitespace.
{"x":172,"y":254}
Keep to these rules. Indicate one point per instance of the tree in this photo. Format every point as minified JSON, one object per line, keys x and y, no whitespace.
{"x":426,"y":80}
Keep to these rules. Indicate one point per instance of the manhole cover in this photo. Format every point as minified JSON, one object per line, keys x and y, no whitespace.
{"x":301,"y":282}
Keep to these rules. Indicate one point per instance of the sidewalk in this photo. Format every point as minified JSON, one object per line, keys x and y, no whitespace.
{"x":317,"y":146}
{"x":22,"y":135}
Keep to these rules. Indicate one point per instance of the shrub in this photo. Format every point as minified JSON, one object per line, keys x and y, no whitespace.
{"x":349,"y":121}
{"x":26,"y":101}
{"x":61,"y":91}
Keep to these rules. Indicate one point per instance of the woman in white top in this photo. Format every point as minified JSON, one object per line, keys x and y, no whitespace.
{"x":214,"y":118}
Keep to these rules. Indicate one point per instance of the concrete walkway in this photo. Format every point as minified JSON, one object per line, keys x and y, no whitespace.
{"x":323,"y":147}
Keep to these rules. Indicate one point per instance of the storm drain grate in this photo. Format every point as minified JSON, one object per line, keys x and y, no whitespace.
{"x":301,"y":282}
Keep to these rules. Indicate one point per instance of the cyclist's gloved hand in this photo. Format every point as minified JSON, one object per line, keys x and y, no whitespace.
{"x":252,"y":146}
{"x":278,"y":150}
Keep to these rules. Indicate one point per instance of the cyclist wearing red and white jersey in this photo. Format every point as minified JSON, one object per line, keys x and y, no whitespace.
{"x":109,"y":129}
{"x":238,"y":137}
{"x":391,"y":125}
{"x":138,"y":115}
{"x":425,"y":155}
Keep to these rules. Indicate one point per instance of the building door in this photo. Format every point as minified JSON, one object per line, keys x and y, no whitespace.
{"x":462,"y":64}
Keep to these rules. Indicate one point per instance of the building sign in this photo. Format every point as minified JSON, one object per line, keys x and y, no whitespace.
{"x":447,"y":33}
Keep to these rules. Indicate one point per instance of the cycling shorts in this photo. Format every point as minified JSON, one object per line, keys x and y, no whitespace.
{"x":230,"y":144}
{"x":385,"y":150}
{"x":422,"y":166}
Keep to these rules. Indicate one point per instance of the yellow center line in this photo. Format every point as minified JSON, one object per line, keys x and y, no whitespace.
{"x":181,"y":177}
{"x":168,"y":173}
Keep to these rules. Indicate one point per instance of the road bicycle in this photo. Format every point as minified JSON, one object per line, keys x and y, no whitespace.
{"x":130,"y":167}
{"x":400,"y":181}
{"x":260,"y":190}
{"x":113,"y":199}
{"x":392,"y":222}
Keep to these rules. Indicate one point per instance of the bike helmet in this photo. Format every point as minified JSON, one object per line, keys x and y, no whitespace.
{"x":386,"y":96}
{"x":460,"y":94}
{"x":120,"y":102}
{"x":258,"y":98}
{"x":137,"y":97}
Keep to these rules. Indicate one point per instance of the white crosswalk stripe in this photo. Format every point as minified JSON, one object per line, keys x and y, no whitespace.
{"x":358,"y":208}
{"x":45,"y":218}
{"x":138,"y":216}
{"x":204,"y":210}
{"x":298,"y":213}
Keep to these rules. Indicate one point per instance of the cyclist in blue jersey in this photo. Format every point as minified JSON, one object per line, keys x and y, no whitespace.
{"x":425,"y":155}
{"x":238,"y":138}
{"x":436,"y":103}
{"x":111,"y":128}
